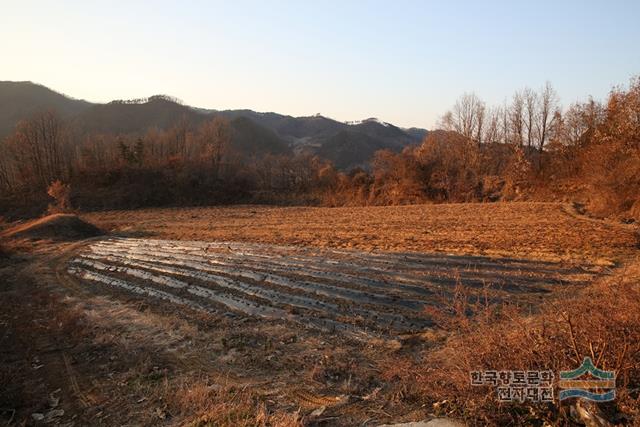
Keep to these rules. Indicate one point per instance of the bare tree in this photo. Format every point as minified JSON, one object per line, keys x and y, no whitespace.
{"x":580,"y":122}
{"x":530,"y":99}
{"x":504,"y":124}
{"x":215,"y":134}
{"x":492,"y":130}
{"x":548,"y":106}
{"x":6,"y":167}
{"x":480,"y":119}
{"x":38,"y":146}
{"x":467,"y":117}
{"x":179,"y":133}
{"x":516,"y":115}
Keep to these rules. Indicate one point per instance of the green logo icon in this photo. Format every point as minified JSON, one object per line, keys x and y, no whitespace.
{"x":598,"y":386}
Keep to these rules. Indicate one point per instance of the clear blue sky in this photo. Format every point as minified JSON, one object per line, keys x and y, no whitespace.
{"x":402,"y":61}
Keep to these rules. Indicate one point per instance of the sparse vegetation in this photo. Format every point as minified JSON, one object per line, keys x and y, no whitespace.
{"x":528,"y":150}
{"x":156,"y":362}
{"x":601,"y":322}
{"x":201,"y":264}
{"x":226,"y":406}
{"x":56,"y":227}
{"x":550,"y":231}
{"x":61,"y":194}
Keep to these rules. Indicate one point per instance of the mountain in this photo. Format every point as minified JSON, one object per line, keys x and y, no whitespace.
{"x":346,"y":144}
{"x":356,"y":145}
{"x":350,"y":148}
{"x":252,"y":138}
{"x":127,"y":117}
{"x":288,"y":126}
{"x":248,"y":137}
{"x":417,"y":133}
{"x":19,"y":100}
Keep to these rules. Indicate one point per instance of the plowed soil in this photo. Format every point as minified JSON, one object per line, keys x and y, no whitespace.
{"x":282,"y":316}
{"x":549,"y":231}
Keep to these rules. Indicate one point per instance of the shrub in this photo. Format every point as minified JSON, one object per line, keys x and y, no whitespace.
{"x":601,"y":322}
{"x":61,"y":194}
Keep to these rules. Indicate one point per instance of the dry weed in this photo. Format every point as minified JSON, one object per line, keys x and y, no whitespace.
{"x":601,"y":322}
{"x":225,"y":404}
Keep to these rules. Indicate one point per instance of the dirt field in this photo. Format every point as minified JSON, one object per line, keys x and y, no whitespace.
{"x":548,"y":231}
{"x":261,"y":315}
{"x":361,"y":295}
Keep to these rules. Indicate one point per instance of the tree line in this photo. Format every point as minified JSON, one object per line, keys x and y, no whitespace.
{"x":528,"y":148}
{"x":187,"y":164}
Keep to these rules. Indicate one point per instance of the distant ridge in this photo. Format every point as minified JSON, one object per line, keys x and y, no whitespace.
{"x":347,"y":144}
{"x":19,"y":100}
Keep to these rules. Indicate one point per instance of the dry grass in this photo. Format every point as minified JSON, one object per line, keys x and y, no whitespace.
{"x":113,"y":364}
{"x":145,"y":362}
{"x":531,"y":230}
{"x":226,"y":405}
{"x":53,"y":227}
{"x":601,"y":322}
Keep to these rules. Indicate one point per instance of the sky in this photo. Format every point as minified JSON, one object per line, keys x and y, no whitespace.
{"x":404,"y":62}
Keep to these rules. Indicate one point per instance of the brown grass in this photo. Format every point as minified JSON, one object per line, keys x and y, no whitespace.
{"x":54,"y":227}
{"x":531,"y":230}
{"x":113,"y":365}
{"x":226,"y":405}
{"x":147,"y":363}
{"x":601,"y":322}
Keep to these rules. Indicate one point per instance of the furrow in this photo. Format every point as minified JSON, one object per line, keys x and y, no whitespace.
{"x":404,"y":280}
{"x":331,"y":291}
{"x":382,"y":320}
{"x":232,"y":302}
{"x":335,"y":278}
{"x":417,"y":260}
{"x":93,"y":276}
{"x":243,"y":306}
